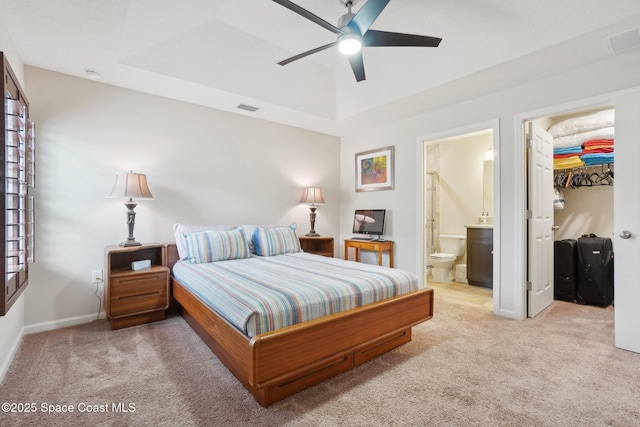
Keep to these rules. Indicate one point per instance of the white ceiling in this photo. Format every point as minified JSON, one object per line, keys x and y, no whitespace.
{"x":221,"y":53}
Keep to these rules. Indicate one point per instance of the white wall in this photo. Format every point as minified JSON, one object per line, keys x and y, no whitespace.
{"x":586,"y":210}
{"x":203,"y":166}
{"x":12,"y":323}
{"x":461,"y":182}
{"x":617,"y":73}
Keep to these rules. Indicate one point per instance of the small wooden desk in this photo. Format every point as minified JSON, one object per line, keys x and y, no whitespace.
{"x":369,"y":245}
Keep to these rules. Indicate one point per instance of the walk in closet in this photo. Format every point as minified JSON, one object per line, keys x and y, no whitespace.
{"x":584,"y":177}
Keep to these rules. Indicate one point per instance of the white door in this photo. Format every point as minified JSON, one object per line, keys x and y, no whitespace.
{"x":540,"y":223}
{"x":626,"y":218}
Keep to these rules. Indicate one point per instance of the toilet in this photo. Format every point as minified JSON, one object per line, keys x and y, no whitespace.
{"x":452,"y":247}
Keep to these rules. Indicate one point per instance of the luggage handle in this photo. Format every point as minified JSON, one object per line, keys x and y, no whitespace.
{"x":587,"y":272}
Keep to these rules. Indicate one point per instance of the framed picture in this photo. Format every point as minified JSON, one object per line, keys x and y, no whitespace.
{"x":374,"y":170}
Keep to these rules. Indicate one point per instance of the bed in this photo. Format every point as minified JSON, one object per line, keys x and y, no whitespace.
{"x":277,"y":363}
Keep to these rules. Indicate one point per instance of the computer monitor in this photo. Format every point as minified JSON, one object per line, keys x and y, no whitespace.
{"x":369,"y":221}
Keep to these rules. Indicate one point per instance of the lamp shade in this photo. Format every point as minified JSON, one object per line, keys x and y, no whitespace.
{"x":312,"y":196}
{"x":131,"y":185}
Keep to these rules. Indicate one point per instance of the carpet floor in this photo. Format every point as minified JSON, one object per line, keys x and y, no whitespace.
{"x":465,"y":367}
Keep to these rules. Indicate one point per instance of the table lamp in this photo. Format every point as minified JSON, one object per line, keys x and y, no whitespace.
{"x":312,"y":196}
{"x":132,"y":186}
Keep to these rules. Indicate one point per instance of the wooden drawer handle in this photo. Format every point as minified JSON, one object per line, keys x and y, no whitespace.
{"x":141,"y":279}
{"x":148,"y":294}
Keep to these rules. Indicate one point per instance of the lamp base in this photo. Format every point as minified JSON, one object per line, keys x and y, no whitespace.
{"x":312,"y":219}
{"x":130,"y":242}
{"x":131,"y":222}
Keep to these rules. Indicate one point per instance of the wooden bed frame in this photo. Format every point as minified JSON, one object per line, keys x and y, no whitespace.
{"x":277,"y":364}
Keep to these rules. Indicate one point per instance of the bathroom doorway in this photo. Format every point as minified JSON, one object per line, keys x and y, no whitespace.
{"x":460,"y":199}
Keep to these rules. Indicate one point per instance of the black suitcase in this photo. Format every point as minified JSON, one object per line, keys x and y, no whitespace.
{"x":565,"y":270}
{"x":595,"y":270}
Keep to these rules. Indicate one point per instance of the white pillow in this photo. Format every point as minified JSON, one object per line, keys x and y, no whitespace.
{"x":599,"y":120}
{"x":248,"y":233}
{"x":180,"y":229}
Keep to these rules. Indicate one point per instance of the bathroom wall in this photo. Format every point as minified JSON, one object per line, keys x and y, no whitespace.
{"x":460,"y":175}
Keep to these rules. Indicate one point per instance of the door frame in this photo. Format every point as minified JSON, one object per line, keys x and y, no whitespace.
{"x":421,"y":142}
{"x":520,"y":121}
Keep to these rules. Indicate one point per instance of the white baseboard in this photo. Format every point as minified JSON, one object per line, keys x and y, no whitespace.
{"x":12,"y":353}
{"x":42,"y":327}
{"x":57,"y":324}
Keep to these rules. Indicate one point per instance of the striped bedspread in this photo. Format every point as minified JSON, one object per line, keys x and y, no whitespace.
{"x":261,"y":294}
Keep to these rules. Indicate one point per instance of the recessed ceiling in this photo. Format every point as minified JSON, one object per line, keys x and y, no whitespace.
{"x":221,"y":53}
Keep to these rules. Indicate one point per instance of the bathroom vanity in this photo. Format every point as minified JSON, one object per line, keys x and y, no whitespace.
{"x":480,"y":255}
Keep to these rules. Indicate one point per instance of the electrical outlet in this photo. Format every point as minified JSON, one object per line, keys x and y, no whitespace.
{"x":97,"y":276}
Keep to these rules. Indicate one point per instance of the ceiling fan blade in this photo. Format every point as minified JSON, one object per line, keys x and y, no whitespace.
{"x":310,"y":16}
{"x":357,"y":65}
{"x":385,"y":38}
{"x":307,"y":53}
{"x":367,"y":14}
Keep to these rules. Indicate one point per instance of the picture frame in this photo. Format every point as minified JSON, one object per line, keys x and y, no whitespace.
{"x":375,"y":169}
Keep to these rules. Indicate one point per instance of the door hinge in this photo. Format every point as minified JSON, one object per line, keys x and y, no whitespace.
{"x":528,"y":214}
{"x":529,"y":142}
{"x":529,"y":286}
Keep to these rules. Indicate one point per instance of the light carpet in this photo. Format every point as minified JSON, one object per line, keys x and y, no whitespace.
{"x":465,"y":367}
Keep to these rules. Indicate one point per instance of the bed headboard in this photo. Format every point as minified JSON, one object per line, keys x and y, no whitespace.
{"x":172,"y":255}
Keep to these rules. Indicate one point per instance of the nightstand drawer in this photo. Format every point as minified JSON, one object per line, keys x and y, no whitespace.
{"x":139,"y":292}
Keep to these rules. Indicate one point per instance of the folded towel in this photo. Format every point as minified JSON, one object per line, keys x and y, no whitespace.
{"x":568,"y":163}
{"x":608,"y":156}
{"x":582,"y":137}
{"x":566,"y":156}
{"x":568,"y":150}
{"x":598,"y":142}
{"x":591,"y":150}
{"x":597,"y":159}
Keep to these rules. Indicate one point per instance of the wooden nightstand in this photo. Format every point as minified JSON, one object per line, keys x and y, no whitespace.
{"x":135,"y":297}
{"x":317,"y":245}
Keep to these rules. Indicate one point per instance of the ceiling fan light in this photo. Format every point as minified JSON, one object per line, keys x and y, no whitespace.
{"x":349,"y":44}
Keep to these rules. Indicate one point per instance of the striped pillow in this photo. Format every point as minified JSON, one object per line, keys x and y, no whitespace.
{"x":213,"y":245}
{"x":275,"y":240}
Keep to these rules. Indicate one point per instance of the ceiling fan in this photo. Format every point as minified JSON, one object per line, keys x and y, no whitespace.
{"x":353,"y":33}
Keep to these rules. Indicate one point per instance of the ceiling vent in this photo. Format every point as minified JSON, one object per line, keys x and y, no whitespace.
{"x":626,"y":40}
{"x":247,"y":107}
